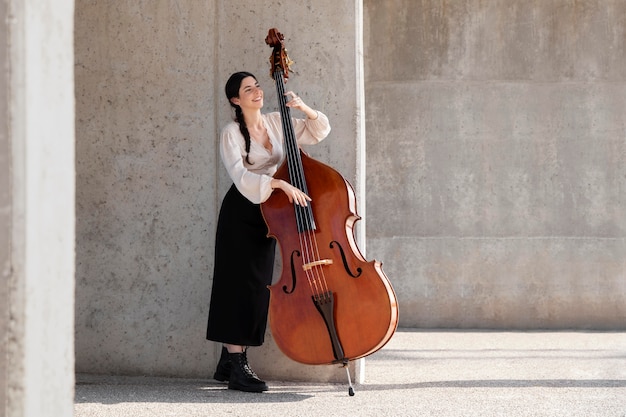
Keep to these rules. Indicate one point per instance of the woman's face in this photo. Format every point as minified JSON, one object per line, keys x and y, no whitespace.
{"x":250,"y":94}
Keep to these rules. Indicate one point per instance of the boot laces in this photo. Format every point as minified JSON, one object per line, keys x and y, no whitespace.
{"x":246,"y":367}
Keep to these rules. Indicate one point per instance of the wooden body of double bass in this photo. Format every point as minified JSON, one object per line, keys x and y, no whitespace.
{"x":363,"y":314}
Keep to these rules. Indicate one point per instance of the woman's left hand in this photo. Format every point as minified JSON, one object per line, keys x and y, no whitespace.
{"x":297,"y":103}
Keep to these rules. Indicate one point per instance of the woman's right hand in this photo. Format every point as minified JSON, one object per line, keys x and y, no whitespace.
{"x":294,"y":194}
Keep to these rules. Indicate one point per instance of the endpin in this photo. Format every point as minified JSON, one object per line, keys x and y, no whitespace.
{"x":350,"y":389}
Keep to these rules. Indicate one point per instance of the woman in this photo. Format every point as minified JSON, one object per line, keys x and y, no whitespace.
{"x":251,"y":148}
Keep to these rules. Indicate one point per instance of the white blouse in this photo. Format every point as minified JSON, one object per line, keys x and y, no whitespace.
{"x":253,"y":181}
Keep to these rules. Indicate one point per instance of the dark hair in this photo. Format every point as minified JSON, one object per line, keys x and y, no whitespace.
{"x":232,"y":90}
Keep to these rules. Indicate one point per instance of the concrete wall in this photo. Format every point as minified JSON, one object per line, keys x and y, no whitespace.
{"x":36,"y":209}
{"x":149,"y":88}
{"x":495,"y":155}
{"x":496,"y":137}
{"x":145,"y":185}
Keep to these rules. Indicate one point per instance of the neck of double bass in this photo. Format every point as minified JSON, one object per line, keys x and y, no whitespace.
{"x":304,"y":215}
{"x":292,"y":151}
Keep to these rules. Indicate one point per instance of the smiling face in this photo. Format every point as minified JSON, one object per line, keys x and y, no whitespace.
{"x":250,"y":94}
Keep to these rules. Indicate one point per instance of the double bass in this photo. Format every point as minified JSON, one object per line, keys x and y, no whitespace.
{"x":329,"y":305}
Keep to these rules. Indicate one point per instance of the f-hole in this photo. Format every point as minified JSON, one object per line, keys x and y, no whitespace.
{"x":295,"y":253}
{"x":359,"y":271}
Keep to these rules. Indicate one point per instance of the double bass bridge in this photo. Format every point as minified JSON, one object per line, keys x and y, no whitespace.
{"x":313,"y":264}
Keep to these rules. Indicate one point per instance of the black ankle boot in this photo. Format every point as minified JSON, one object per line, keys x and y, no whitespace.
{"x":242,"y":377}
{"x":222,"y":372}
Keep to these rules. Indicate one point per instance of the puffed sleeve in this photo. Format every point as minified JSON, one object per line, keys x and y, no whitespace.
{"x":312,"y":131}
{"x":255,"y":187}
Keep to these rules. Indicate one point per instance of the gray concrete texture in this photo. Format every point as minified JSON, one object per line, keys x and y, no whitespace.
{"x":496,"y":161}
{"x":145,"y":167}
{"x":5,"y":212}
{"x":37,"y":208}
{"x":436,"y":374}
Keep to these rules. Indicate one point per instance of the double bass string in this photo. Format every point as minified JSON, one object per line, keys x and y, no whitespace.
{"x":292,"y":152}
{"x":304,"y":215}
{"x":295,"y":168}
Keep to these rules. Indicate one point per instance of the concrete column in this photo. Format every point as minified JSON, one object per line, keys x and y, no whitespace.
{"x":37,"y":209}
{"x":5,"y":208}
{"x":150,"y":103}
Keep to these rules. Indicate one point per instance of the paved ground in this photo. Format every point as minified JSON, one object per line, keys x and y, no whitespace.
{"x":448,"y":374}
